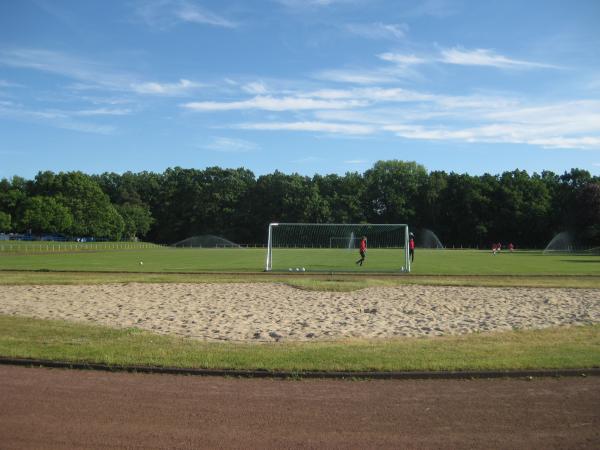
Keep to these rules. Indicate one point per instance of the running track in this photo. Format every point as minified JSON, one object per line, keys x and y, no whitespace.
{"x":72,"y":409}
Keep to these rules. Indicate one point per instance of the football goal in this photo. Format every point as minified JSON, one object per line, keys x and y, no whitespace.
{"x":302,"y":247}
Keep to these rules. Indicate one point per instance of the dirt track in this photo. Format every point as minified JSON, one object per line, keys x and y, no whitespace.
{"x":68,"y":409}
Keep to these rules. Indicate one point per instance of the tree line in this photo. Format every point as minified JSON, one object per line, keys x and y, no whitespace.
{"x":234,"y":203}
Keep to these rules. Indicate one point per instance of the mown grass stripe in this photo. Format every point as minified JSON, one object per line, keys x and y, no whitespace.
{"x":552,"y":348}
{"x":528,"y":374}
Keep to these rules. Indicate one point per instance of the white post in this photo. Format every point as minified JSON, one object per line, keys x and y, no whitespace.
{"x":269,"y":262}
{"x":407,"y":249}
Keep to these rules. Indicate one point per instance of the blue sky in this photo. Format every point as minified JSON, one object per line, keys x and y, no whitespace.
{"x":311,"y":86}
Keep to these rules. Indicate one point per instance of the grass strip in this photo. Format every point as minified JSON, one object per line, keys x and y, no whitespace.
{"x":551,"y":348}
{"x":320,"y":282}
{"x":315,"y":261}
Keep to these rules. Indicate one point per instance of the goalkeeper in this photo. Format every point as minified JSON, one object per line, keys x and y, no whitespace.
{"x":362,"y":250}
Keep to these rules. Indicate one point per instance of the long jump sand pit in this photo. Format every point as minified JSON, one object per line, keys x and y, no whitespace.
{"x":267,"y":312}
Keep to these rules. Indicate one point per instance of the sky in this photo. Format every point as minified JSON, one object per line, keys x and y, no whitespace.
{"x":306,"y":86}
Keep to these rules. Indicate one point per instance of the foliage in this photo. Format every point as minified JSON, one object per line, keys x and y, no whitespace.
{"x":93,"y":214}
{"x":42,"y":214}
{"x":391,"y":189}
{"x":5,"y":222}
{"x":462,"y":209}
{"x":588,"y":206}
{"x":137,"y":219}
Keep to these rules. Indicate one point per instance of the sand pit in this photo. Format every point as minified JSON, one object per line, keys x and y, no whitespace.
{"x":276,"y":312}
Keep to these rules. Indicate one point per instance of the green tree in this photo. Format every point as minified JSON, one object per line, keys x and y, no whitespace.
{"x":224,"y":197}
{"x":429,"y":201}
{"x":465,"y":210}
{"x":392,"y":189}
{"x":44,"y":215}
{"x":343,"y":195}
{"x":5,"y":222}
{"x":522,"y":209}
{"x":92,"y":212}
{"x":278,"y":197}
{"x":12,"y":193}
{"x":588,"y":213}
{"x":137,"y":219}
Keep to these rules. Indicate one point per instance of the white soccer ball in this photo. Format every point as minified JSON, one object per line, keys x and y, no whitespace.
{"x":297,"y":269}
{"x":303,"y":269}
{"x":141,"y":263}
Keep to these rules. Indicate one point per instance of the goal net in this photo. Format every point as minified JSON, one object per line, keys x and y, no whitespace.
{"x":301,"y":247}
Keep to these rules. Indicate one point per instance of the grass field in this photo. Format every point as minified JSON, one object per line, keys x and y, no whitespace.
{"x":557,"y":348}
{"x":564,"y":347}
{"x":170,"y":260}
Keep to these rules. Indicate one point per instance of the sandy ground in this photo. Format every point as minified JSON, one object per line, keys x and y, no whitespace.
{"x":267,"y":312}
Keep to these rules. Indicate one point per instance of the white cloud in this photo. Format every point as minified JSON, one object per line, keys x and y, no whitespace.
{"x":103,"y":112}
{"x":459,"y":56}
{"x":269,"y":103}
{"x":180,"y":88}
{"x":371,"y":95}
{"x":324,"y":127}
{"x":402,"y":69}
{"x":256,"y":87}
{"x":53,"y":118}
{"x":357,"y":76}
{"x":420,"y":115}
{"x":230,"y":145}
{"x":331,"y":94}
{"x":434,"y":8}
{"x":9,"y":84}
{"x":401,"y":59}
{"x":393,"y":95}
{"x":86,"y":127}
{"x":90,"y":74}
{"x":58,"y":63}
{"x":378,"y":30}
{"x":497,"y":133}
{"x":585,"y":142}
{"x":167,"y":13}
{"x":485,"y":57}
{"x":356,"y":161}
{"x":303,"y":4}
{"x":193,"y":13}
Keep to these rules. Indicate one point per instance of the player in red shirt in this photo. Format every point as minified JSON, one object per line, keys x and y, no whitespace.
{"x":362,"y":250}
{"x":411,"y":247}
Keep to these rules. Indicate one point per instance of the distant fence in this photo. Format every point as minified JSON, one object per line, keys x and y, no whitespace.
{"x":221,"y":246}
{"x":21,"y":246}
{"x":55,"y":246}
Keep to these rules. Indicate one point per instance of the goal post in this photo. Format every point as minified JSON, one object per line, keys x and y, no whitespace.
{"x":334,"y":247}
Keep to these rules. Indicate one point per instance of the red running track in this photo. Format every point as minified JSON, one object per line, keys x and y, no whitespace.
{"x":72,"y":409}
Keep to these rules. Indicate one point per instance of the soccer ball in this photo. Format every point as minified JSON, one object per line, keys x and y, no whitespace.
{"x":297,"y":269}
{"x":303,"y":269}
{"x":141,"y":263}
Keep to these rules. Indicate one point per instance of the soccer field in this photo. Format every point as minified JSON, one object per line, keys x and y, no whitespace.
{"x":562,"y":347}
{"x":249,"y":260}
